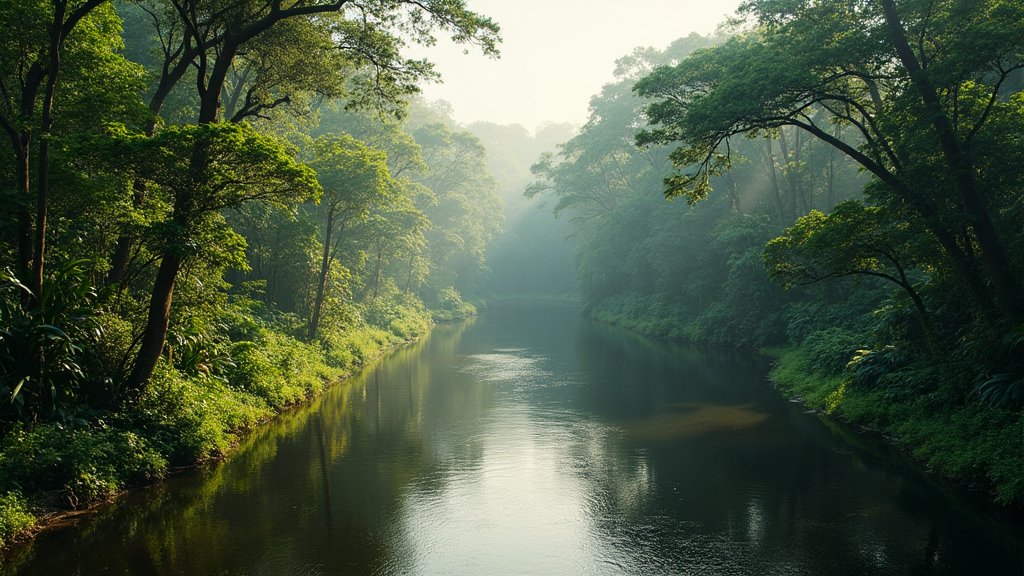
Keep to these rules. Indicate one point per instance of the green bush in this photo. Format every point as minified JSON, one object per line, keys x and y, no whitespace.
{"x":87,"y":464}
{"x":279,"y":369}
{"x":15,"y":517}
{"x":402,"y":315}
{"x":830,"y":350}
{"x":58,"y":332}
{"x":968,"y":442}
{"x":450,"y":306}
{"x":255,"y":373}
{"x":795,"y":376}
{"x":192,"y":420}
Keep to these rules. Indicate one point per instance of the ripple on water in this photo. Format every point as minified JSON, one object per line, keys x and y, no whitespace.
{"x":507,"y":365}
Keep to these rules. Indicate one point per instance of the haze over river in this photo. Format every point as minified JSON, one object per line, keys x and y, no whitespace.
{"x":530,"y":441}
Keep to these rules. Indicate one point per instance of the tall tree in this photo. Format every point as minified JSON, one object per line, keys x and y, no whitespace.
{"x":239,"y":165}
{"x":30,"y":74}
{"x":919,"y":111}
{"x":370,"y":33}
{"x":354,"y":178}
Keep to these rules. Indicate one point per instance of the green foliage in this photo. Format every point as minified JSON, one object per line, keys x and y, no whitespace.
{"x":59,"y":326}
{"x":185,"y":232}
{"x":849,"y":240}
{"x":192,"y":420}
{"x":278,"y":369}
{"x":86,"y":463}
{"x":241,"y":165}
{"x":931,"y":356}
{"x":794,"y":374}
{"x":871,"y":367}
{"x":450,"y":306}
{"x":644,"y":315}
{"x":398,"y":314}
{"x":829,"y":351}
{"x":1002,"y":388}
{"x":969,"y":443}
{"x":15,"y":518}
{"x":355,"y":346}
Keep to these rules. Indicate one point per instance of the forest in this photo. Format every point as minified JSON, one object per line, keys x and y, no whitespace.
{"x":216,"y":209}
{"x":847,"y":192}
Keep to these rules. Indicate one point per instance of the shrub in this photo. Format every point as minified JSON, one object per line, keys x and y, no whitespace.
{"x":279,"y":369}
{"x":88,"y":463}
{"x":191,"y":420}
{"x":402,"y":315}
{"x":58,"y":331}
{"x":450,"y":306}
{"x":830,"y":350}
{"x":14,"y":516}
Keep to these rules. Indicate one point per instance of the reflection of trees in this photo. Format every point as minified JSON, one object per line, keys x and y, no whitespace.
{"x":229,"y":514}
{"x":792,"y":492}
{"x":675,"y":459}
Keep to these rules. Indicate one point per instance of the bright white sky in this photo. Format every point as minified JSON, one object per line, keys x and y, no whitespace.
{"x":557,"y":53}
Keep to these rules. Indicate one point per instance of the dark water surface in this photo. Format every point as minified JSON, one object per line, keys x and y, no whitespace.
{"x":529,"y":441}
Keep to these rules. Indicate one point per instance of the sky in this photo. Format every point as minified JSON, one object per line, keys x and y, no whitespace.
{"x":556,"y":54}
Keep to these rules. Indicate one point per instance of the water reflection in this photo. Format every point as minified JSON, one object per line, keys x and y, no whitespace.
{"x":530,"y":442}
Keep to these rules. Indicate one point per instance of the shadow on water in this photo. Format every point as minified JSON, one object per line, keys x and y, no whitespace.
{"x":531,"y":441}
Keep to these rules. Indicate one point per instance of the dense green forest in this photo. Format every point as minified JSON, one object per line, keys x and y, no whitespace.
{"x":215,"y":209}
{"x":848,"y":194}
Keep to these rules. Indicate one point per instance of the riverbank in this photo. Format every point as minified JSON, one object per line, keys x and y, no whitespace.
{"x":951,"y":433}
{"x":50,"y":472}
{"x":486,"y":447}
{"x":971,"y":444}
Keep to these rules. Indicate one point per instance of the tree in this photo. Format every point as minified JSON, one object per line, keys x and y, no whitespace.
{"x":354,"y":178}
{"x":238,"y":165}
{"x":919,"y":111}
{"x":30,"y":74}
{"x":220,"y":35}
{"x":464,"y":209}
{"x":853,"y":240}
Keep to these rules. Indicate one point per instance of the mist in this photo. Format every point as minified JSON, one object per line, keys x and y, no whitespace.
{"x":482,"y":287}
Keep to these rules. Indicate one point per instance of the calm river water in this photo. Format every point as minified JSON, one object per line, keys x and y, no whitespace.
{"x":529,"y":441}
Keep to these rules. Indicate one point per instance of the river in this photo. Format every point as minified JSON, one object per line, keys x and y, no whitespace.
{"x":530,"y":441}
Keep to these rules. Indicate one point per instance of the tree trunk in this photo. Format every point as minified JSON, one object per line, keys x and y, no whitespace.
{"x":24,"y":212}
{"x":790,"y":175}
{"x":325,"y":268}
{"x":993,"y":251}
{"x":408,"y":280}
{"x":155,"y":333}
{"x":777,"y":196}
{"x":830,"y":190}
{"x":376,"y":269}
{"x":29,"y":95}
{"x":43,"y":183}
{"x":119,"y":260}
